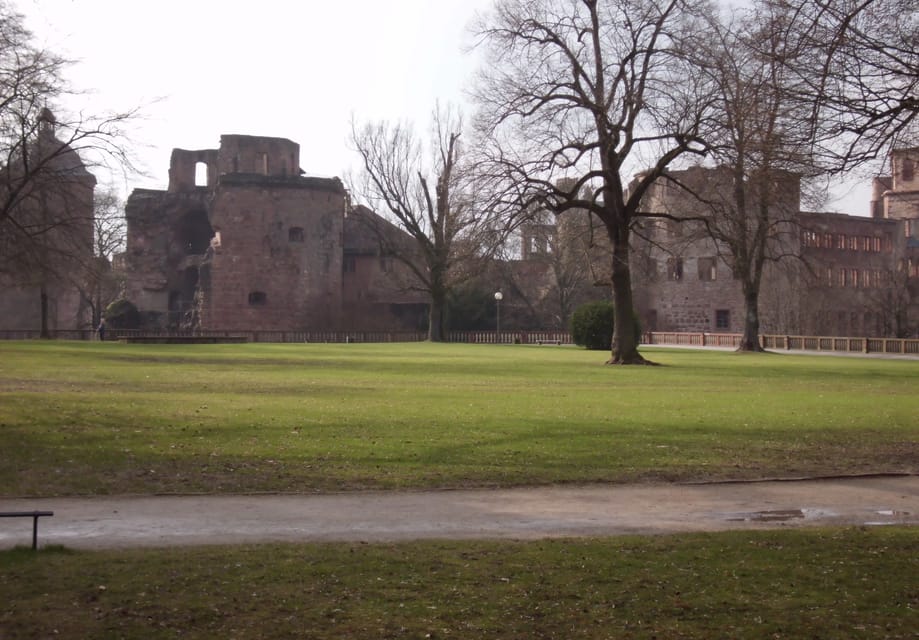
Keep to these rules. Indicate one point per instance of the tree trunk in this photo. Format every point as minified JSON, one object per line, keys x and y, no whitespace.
{"x":436,"y":318}
{"x":625,"y":340}
{"x":45,"y":333}
{"x":750,"y":340}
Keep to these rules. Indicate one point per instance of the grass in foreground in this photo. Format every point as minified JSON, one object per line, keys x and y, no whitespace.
{"x":852,"y":583}
{"x":90,"y":418}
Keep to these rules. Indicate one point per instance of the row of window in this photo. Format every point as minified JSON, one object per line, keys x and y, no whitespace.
{"x":707,"y":268}
{"x":856,"y":278}
{"x":874,"y":244}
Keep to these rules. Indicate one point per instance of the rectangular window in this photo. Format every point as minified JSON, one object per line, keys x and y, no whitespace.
{"x":810,"y":239}
{"x":866,"y":243}
{"x":708,"y":269}
{"x":675,"y":269}
{"x":876,"y":244}
{"x":828,"y":276}
{"x":827,"y":242}
{"x":841,"y":241}
{"x":842,"y":277}
{"x":853,"y":278}
{"x":349,"y":264}
{"x":853,"y":243}
{"x":722,"y":318}
{"x":888,"y":243}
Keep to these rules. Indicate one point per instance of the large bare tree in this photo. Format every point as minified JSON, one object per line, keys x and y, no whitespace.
{"x":427,"y":193}
{"x":586,"y":93}
{"x":761,"y":147}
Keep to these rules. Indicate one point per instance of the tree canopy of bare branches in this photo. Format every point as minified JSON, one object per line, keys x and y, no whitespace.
{"x":858,"y":66}
{"x":427,"y":193}
{"x":584,"y":93}
{"x":45,"y":184}
{"x":42,"y":152}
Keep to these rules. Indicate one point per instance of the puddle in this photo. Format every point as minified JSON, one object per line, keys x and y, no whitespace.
{"x":774,"y":515}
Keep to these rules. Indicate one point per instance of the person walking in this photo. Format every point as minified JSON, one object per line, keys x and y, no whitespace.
{"x":101,"y":329}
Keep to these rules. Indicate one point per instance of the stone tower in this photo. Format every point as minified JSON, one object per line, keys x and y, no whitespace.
{"x":239,"y":240}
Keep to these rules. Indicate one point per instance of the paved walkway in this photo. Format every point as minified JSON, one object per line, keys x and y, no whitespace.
{"x":527,"y":513}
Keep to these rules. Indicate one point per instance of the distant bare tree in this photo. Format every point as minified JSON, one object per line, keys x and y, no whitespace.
{"x":761,"y":147}
{"x":428,"y":195}
{"x":591,"y":92}
{"x":43,"y":161}
{"x":101,"y":284}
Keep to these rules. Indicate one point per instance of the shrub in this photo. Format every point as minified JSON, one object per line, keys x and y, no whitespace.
{"x":592,"y":325}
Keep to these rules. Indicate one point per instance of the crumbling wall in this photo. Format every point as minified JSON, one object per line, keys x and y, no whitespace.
{"x":168,"y":237}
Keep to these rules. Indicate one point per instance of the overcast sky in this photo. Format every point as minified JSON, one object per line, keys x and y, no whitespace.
{"x":293,"y":69}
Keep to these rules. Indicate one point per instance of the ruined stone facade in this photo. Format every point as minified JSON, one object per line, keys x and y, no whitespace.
{"x":46,"y":245}
{"x":241,"y":240}
{"x":841,"y":275}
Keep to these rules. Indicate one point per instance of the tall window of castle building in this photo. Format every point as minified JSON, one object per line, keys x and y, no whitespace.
{"x":810,"y":238}
{"x":888,"y":243}
{"x":722,"y":318}
{"x":842,"y":277}
{"x":257,"y":298}
{"x":827,"y":241}
{"x":853,"y":278}
{"x":674,"y":268}
{"x":708,"y":269}
{"x":261,"y":163}
{"x":828,"y":276}
{"x":200,"y":174}
{"x":840,"y":241}
{"x":908,"y":171}
{"x":853,"y":243}
{"x":349,"y":264}
{"x":295,"y":234}
{"x":876,"y":244}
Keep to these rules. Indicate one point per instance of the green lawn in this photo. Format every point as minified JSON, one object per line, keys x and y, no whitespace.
{"x":813,"y":584}
{"x":90,"y":418}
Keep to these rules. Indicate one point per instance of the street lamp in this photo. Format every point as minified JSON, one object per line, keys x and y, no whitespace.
{"x":498,"y":298}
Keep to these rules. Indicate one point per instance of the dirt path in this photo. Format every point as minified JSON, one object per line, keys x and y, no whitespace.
{"x":156,"y":521}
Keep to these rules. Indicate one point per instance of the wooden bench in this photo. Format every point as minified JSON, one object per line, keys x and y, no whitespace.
{"x":35,"y":515}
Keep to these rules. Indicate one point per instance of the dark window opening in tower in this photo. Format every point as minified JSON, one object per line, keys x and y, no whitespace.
{"x":193,"y":233}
